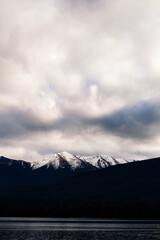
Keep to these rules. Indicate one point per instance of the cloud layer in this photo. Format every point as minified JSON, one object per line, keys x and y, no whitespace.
{"x":80,"y":76}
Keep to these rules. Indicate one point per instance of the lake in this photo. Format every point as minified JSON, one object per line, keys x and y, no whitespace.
{"x":78,"y":229}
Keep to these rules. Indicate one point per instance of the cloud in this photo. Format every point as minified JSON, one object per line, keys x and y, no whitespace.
{"x":86,"y":70}
{"x":140,"y":121}
{"x":17,"y":123}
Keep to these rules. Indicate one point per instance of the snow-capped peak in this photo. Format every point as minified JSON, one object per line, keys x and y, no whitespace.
{"x":99,"y":160}
{"x":68,"y":160}
{"x":71,"y":159}
{"x":60,"y":160}
{"x":51,"y":159}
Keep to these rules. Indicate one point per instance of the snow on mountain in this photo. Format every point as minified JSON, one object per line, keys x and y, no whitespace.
{"x":103,"y":161}
{"x":67,"y":160}
{"x":122,"y":160}
{"x":95,"y":160}
{"x":48,"y":160}
{"x":72,"y":160}
{"x":61,"y":160}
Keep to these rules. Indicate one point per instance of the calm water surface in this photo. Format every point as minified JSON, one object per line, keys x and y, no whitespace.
{"x":77,"y":229}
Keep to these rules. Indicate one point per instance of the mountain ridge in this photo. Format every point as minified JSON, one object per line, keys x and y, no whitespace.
{"x":124,"y":191}
{"x":77,"y":161}
{"x":51,"y":168}
{"x":65,"y":159}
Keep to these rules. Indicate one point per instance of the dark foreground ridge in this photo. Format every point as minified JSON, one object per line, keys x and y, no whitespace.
{"x":130,"y":190}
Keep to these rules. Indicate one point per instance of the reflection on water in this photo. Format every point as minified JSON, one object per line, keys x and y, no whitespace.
{"x":83,"y":235}
{"x":74,"y":235}
{"x":70,"y":229}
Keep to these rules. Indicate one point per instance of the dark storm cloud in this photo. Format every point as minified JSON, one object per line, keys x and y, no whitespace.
{"x":15,"y":123}
{"x":19,"y":123}
{"x":139,"y":121}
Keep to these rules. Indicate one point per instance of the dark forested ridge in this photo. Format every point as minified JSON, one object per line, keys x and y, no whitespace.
{"x":129,"y":190}
{"x":19,"y":172}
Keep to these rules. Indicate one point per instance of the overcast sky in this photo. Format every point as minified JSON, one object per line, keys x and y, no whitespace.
{"x":81,"y":76}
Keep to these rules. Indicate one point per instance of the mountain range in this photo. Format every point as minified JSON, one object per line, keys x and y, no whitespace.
{"x":66,"y":185}
{"x":68,"y":160}
{"x":52,"y":167}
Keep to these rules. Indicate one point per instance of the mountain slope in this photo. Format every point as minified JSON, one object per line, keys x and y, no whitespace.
{"x":51,"y":168}
{"x":62,"y":160}
{"x":124,"y":191}
{"x":14,"y":171}
{"x":67,"y":160}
